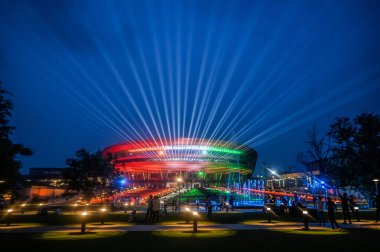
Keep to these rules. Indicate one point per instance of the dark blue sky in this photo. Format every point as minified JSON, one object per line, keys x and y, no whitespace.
{"x":93,"y":73}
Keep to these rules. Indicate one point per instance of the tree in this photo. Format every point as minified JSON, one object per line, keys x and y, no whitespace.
{"x":89,"y":173}
{"x":318,"y":153}
{"x":9,"y":152}
{"x":356,"y":153}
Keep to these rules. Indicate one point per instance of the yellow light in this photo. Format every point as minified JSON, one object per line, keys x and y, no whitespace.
{"x":132,"y":203}
{"x":356,"y":208}
{"x":10,"y":210}
{"x":179,"y":179}
{"x":40,"y":204}
{"x":103,"y":209}
{"x":84,"y":213}
{"x":187,"y":209}
{"x":87,"y":204}
{"x":75,"y":205}
{"x":23,"y":205}
{"x":304,"y":212}
{"x":126,"y":204}
{"x":195,"y":213}
{"x":375,"y":180}
{"x":268,"y":208}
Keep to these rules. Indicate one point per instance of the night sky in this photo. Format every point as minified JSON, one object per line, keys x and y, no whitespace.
{"x":88,"y":74}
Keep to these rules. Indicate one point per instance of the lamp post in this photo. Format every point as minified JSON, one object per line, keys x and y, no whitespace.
{"x":195,"y":222}
{"x":179,"y":181}
{"x":376,"y":181}
{"x":356,"y":208}
{"x":305,"y":220}
{"x":269,"y":214}
{"x":8,"y":217}
{"x":83,"y":224}
{"x":102,"y":215}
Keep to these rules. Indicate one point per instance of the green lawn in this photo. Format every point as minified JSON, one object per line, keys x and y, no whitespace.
{"x":256,"y":240}
{"x":294,"y":239}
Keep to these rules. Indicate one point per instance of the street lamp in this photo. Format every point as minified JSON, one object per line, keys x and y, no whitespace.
{"x":305,"y":220}
{"x":179,"y":181}
{"x":75,"y":207}
{"x":376,"y":181}
{"x":83,"y":224}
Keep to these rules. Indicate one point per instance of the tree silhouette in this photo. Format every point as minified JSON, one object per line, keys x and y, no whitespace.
{"x":9,"y":152}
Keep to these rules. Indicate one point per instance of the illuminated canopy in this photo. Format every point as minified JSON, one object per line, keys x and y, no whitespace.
{"x":184,"y":154}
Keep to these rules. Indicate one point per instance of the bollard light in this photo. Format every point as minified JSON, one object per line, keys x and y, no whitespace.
{"x":102,"y":213}
{"x":125,"y":207}
{"x":22,"y":208}
{"x":187,"y":213}
{"x":195,"y":221}
{"x":9,"y":214}
{"x":269,"y":214}
{"x":356,"y":208}
{"x":306,"y":221}
{"x":83,"y":224}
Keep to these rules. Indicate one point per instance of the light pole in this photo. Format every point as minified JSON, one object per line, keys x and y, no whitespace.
{"x":376,"y":181}
{"x":179,"y":181}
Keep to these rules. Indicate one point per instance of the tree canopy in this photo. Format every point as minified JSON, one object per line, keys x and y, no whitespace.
{"x":89,"y":173}
{"x":355,"y":157}
{"x":9,"y":151}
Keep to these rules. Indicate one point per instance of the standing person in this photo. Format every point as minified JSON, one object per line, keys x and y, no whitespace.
{"x":320,"y":212}
{"x":345,"y":207}
{"x":377,"y":207}
{"x":221,"y":203}
{"x":351,"y":201}
{"x":155,"y":209}
{"x":149,"y":210}
{"x":331,"y":208}
{"x":209,"y":208}
{"x":231,"y":202}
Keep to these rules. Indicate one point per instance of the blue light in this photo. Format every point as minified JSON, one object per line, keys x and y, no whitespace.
{"x":123,"y":181}
{"x":323,"y":182}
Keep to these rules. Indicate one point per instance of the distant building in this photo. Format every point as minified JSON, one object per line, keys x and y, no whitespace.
{"x":43,"y":183}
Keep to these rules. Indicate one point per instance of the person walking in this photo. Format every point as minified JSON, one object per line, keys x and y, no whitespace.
{"x":155,"y":209}
{"x":209,"y":207}
{"x":331,"y":208}
{"x":345,"y":207}
{"x":149,"y":210}
{"x":320,"y":211}
{"x":231,"y":202}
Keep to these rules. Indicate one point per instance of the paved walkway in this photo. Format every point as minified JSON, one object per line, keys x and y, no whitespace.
{"x":112,"y":227}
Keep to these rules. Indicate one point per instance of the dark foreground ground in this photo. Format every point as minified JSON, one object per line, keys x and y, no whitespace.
{"x":45,"y":236}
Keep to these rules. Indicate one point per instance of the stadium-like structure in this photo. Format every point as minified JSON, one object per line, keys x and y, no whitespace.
{"x":193,"y":160}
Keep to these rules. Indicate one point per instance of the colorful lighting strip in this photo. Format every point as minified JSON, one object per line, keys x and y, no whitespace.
{"x":188,"y":147}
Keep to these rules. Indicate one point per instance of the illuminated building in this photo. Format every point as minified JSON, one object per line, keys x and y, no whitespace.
{"x":195,"y":160}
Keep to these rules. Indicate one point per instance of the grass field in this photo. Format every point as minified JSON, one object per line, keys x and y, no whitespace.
{"x":287,"y":239}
